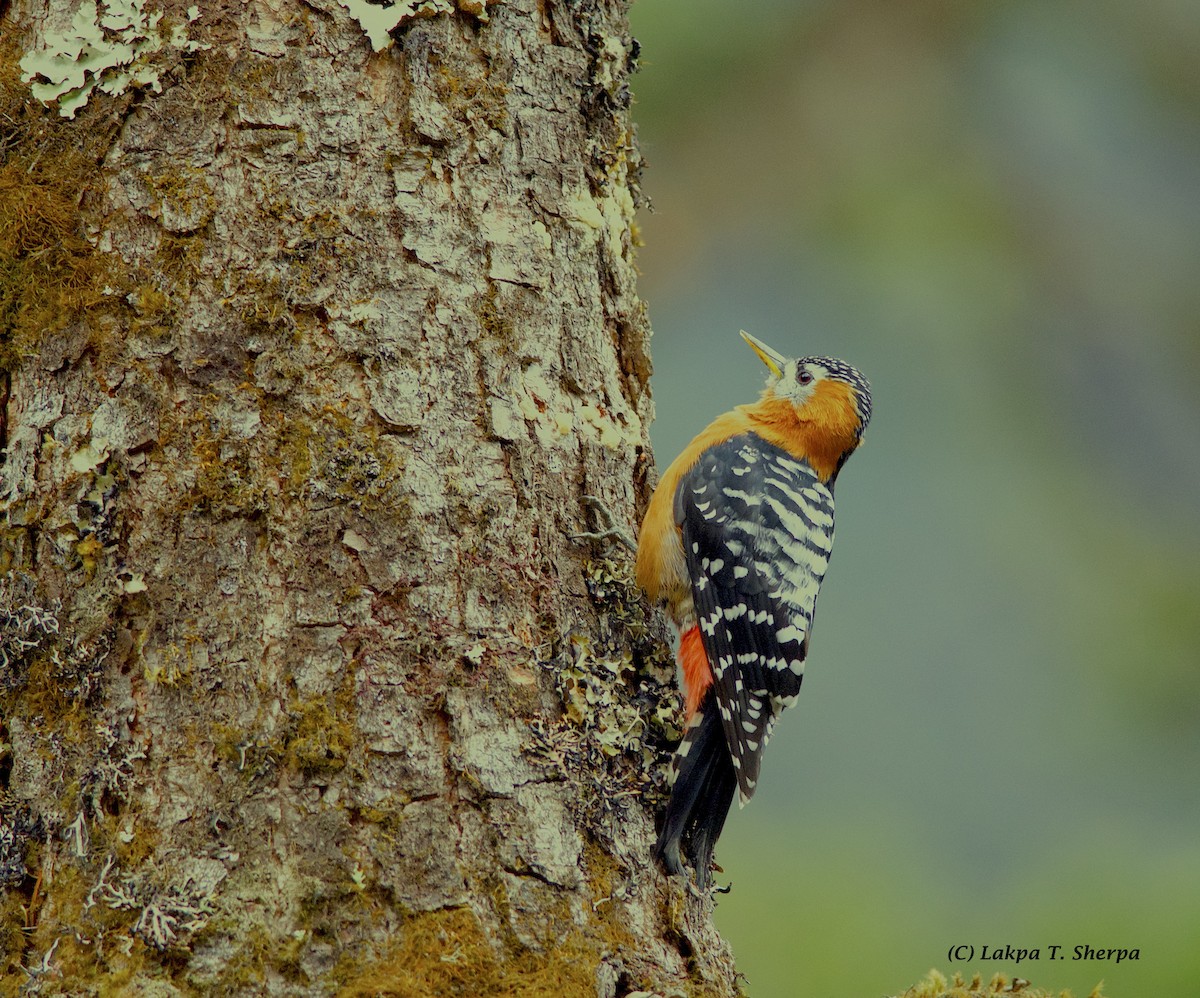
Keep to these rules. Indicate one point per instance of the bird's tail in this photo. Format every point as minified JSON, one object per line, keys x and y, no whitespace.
{"x":704,"y":784}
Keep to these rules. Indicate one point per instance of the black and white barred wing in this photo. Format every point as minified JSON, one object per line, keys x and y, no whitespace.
{"x":757,"y":530}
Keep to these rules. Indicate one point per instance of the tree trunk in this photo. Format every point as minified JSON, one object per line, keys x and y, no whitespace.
{"x":318,"y":320}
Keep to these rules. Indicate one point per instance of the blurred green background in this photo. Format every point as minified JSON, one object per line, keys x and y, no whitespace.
{"x":993,"y":209}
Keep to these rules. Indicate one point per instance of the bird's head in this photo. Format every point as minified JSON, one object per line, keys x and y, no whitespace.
{"x":820,"y":389}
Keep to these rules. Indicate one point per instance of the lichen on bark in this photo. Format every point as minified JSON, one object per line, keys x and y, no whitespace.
{"x":328,"y":345}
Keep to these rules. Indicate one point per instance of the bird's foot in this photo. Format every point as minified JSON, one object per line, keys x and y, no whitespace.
{"x":608,"y":531}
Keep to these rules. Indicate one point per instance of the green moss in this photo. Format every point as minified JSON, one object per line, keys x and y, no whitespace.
{"x":13,"y":927}
{"x":296,"y":455}
{"x":331,"y":457}
{"x":173,"y":663}
{"x":936,"y":986}
{"x":42,"y":695}
{"x":154,"y":311}
{"x":262,"y":949}
{"x":386,"y":819}
{"x":473,"y":95}
{"x":316,"y":247}
{"x":446,"y":953}
{"x":320,"y":741}
{"x":67,"y":920}
{"x":323,"y":728}
{"x":263,"y":940}
{"x":278,"y":373}
{"x":610,"y":927}
{"x":492,"y":320}
{"x":130,"y":851}
{"x":227,"y":485}
{"x":50,"y":276}
{"x":184,"y":192}
{"x":179,"y":256}
{"x":49,"y":682}
{"x":261,"y":306}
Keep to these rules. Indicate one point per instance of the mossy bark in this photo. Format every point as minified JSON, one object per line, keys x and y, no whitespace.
{"x":936,"y":985}
{"x":308,"y":360}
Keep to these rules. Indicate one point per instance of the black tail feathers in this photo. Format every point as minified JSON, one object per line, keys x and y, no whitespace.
{"x":701,"y":797}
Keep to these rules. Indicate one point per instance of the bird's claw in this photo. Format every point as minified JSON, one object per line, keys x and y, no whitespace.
{"x":609,"y":530}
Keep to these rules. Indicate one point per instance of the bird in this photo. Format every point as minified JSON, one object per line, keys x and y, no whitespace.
{"x":736,"y":541}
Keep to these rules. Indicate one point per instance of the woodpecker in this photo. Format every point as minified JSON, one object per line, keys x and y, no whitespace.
{"x":736,"y":541}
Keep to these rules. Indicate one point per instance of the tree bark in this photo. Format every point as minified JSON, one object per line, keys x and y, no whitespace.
{"x":317,"y":320}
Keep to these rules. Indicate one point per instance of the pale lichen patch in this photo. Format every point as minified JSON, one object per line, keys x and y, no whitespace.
{"x":611,"y":58}
{"x":136,"y":583}
{"x":108,"y":46}
{"x":378,"y":21}
{"x":606,"y":428}
{"x":581,"y":208}
{"x":560,"y":420}
{"x":610,"y":217}
{"x":88,"y":458}
{"x":519,"y":250}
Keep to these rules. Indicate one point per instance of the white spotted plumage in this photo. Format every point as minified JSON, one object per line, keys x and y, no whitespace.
{"x":735,"y":541}
{"x":757,"y":528}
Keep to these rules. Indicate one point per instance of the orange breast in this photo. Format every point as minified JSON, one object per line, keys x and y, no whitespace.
{"x":661,"y":569}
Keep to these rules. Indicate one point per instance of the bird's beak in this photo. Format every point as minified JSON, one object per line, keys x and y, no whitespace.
{"x":771,"y":358}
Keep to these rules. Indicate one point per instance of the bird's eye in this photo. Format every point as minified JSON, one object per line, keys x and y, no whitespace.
{"x":804,"y":377}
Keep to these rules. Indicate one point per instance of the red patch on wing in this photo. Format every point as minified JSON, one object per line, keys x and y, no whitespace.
{"x":697,"y":675}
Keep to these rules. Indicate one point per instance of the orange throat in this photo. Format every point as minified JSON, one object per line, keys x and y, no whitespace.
{"x":697,"y":675}
{"x":826,"y":433}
